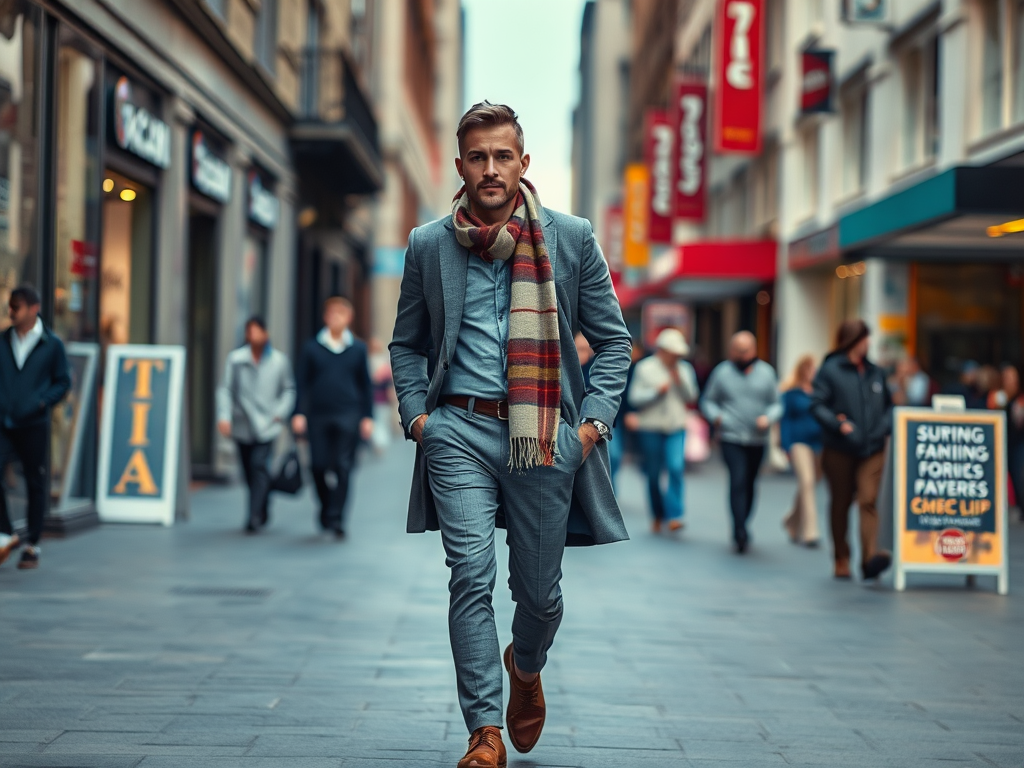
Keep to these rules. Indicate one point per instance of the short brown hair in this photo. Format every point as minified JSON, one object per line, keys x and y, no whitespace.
{"x":490,"y":115}
{"x":332,"y":300}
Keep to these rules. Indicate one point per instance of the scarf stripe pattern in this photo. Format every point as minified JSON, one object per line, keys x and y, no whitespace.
{"x":534,"y":356}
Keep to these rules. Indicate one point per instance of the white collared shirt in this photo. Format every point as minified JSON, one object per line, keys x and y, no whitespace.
{"x":22,"y":346}
{"x":337,"y":346}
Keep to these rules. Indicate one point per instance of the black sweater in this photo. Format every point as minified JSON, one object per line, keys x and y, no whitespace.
{"x":27,"y":395}
{"x":839,"y":388}
{"x":330,"y":384}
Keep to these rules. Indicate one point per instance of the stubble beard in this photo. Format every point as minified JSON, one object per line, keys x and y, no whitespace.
{"x":494,"y":203}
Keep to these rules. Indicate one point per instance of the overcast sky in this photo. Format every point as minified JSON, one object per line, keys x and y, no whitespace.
{"x":526,"y":53}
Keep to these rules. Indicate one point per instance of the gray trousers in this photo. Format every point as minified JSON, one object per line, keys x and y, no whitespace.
{"x":468,"y":461}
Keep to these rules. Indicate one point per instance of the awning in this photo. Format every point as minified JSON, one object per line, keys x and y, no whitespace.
{"x":944,"y":217}
{"x":707,"y":270}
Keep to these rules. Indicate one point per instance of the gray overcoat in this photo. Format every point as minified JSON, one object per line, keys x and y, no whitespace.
{"x":427,"y":328}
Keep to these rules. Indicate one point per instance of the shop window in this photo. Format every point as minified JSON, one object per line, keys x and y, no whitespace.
{"x":854,"y":108}
{"x":126,"y":261}
{"x":78,"y":100}
{"x":19,"y":152}
{"x":919,"y":130}
{"x":251,"y":288}
{"x":809,"y":159}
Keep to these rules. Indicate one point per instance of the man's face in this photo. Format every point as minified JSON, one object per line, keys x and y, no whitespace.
{"x":491,"y":166}
{"x":742,"y":349}
{"x":22,"y":314}
{"x":256,"y":336}
{"x":860,"y":349}
{"x":337,"y":318}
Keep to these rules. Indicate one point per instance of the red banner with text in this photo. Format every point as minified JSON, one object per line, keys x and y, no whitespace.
{"x":659,"y":155}
{"x":739,"y":76}
{"x":689,"y":119}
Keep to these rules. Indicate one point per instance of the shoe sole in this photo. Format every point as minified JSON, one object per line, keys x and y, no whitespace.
{"x":511,"y":737}
{"x":27,"y":566}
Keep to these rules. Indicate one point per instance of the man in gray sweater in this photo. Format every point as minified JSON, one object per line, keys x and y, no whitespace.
{"x":742,"y":400}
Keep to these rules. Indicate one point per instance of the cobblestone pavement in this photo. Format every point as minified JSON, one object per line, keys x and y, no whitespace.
{"x":198,"y":646}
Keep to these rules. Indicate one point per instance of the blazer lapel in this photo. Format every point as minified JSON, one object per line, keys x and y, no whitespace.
{"x":550,"y":239}
{"x":453,"y":286}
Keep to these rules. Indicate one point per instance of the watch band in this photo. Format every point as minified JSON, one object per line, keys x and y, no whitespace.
{"x":602,"y":428}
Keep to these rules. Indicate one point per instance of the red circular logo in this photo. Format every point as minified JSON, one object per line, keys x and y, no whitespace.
{"x":952,"y":545}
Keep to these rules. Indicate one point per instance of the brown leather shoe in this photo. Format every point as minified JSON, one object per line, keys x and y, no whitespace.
{"x":842,"y":569}
{"x":526,"y":712}
{"x":12,"y":544}
{"x":486,"y":749}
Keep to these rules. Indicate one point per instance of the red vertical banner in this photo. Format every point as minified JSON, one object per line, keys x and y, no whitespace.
{"x":739,"y":76}
{"x":690,"y":123}
{"x":659,"y":154}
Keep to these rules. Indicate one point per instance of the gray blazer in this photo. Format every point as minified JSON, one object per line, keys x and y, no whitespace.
{"x":427,"y":328}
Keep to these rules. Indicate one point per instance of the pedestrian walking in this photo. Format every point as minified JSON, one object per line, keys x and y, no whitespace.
{"x":254,"y":400}
{"x":742,"y":401}
{"x":663,"y":387}
{"x":34,"y":377}
{"x":800,"y":435}
{"x":507,"y":432}
{"x":335,"y":409}
{"x":854,"y":407}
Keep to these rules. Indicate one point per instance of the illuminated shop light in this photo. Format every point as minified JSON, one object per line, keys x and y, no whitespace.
{"x":1006,"y":228}
{"x":108,"y":185}
{"x":127,"y":195}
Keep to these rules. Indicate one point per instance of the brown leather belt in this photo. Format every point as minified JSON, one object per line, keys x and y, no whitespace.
{"x":497,"y":409}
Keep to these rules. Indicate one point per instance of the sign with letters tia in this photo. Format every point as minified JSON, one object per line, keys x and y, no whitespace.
{"x":739,"y":76}
{"x":950,"y":487}
{"x":140,"y":436}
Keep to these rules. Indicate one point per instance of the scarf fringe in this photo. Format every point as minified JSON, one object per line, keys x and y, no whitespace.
{"x":527,"y":453}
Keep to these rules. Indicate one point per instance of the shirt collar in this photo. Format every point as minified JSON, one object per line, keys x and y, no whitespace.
{"x":336,"y":346}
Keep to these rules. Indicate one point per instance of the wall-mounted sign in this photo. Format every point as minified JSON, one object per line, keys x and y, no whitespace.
{"x":660,"y":157}
{"x":689,"y":116}
{"x":816,"y":85}
{"x":136,"y":129}
{"x":867,"y":11}
{"x":211,"y":174}
{"x":950,"y":493}
{"x":739,"y":76}
{"x":140,"y":435}
{"x":659,"y":314}
{"x":636,"y":250}
{"x":263,"y":205}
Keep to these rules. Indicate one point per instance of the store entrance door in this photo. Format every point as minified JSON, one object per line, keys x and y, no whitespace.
{"x":202,"y":279}
{"x":127,"y":259}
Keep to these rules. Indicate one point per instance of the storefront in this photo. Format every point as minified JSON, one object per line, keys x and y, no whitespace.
{"x":945,"y":269}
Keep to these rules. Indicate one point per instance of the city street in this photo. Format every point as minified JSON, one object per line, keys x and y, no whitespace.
{"x":199,"y":646}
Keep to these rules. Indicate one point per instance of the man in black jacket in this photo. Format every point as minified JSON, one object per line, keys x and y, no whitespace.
{"x":334,"y":408}
{"x":852,"y":403}
{"x":34,"y":376}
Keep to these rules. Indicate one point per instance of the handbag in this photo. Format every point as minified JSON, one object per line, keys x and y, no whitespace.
{"x":288,"y":478}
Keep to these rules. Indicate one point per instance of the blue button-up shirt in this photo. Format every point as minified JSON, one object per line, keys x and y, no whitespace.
{"x":478,"y":367}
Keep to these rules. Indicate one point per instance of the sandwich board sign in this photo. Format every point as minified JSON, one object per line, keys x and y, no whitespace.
{"x":140,"y":434}
{"x":950,"y":494}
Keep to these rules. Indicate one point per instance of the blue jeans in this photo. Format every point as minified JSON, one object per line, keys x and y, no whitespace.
{"x":664,"y":453}
{"x":468,"y":462}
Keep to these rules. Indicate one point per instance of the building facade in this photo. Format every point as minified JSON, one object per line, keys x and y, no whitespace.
{"x":155,"y":157}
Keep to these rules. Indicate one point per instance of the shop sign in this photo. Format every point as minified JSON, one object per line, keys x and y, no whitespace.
{"x":876,"y":12}
{"x":211,"y":174}
{"x":263,"y":205}
{"x":689,"y":114}
{"x":659,"y":154}
{"x":137,"y":130}
{"x":739,"y":76}
{"x":140,"y":434}
{"x":659,"y":314}
{"x":636,"y":249}
{"x":816,"y":85}
{"x":950,"y":493}
{"x":822,"y":247}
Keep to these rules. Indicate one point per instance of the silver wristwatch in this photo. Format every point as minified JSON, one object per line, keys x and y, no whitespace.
{"x":602,"y":428}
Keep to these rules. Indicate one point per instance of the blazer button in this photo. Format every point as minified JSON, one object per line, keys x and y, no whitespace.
{"x":444,"y":365}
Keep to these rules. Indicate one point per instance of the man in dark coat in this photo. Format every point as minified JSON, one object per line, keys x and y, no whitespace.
{"x":334,"y":408}
{"x":852,"y":403}
{"x":34,"y":376}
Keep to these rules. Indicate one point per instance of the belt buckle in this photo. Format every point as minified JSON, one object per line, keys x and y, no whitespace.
{"x":498,"y":405}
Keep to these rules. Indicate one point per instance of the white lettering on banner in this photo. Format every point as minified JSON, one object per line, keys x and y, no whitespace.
{"x":815,"y":80}
{"x":691,"y":146}
{"x":137,"y":130}
{"x":661,"y":203}
{"x":210,"y":174}
{"x":740,"y":71}
{"x":262,"y":203}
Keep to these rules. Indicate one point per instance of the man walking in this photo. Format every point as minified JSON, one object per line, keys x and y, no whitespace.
{"x":255,"y":398}
{"x":742,"y":400}
{"x":34,"y":377}
{"x":662,"y":387}
{"x":335,"y":408}
{"x":854,"y":407}
{"x":495,"y":294}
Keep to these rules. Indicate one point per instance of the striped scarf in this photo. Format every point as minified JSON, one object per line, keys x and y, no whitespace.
{"x":534,"y":358}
